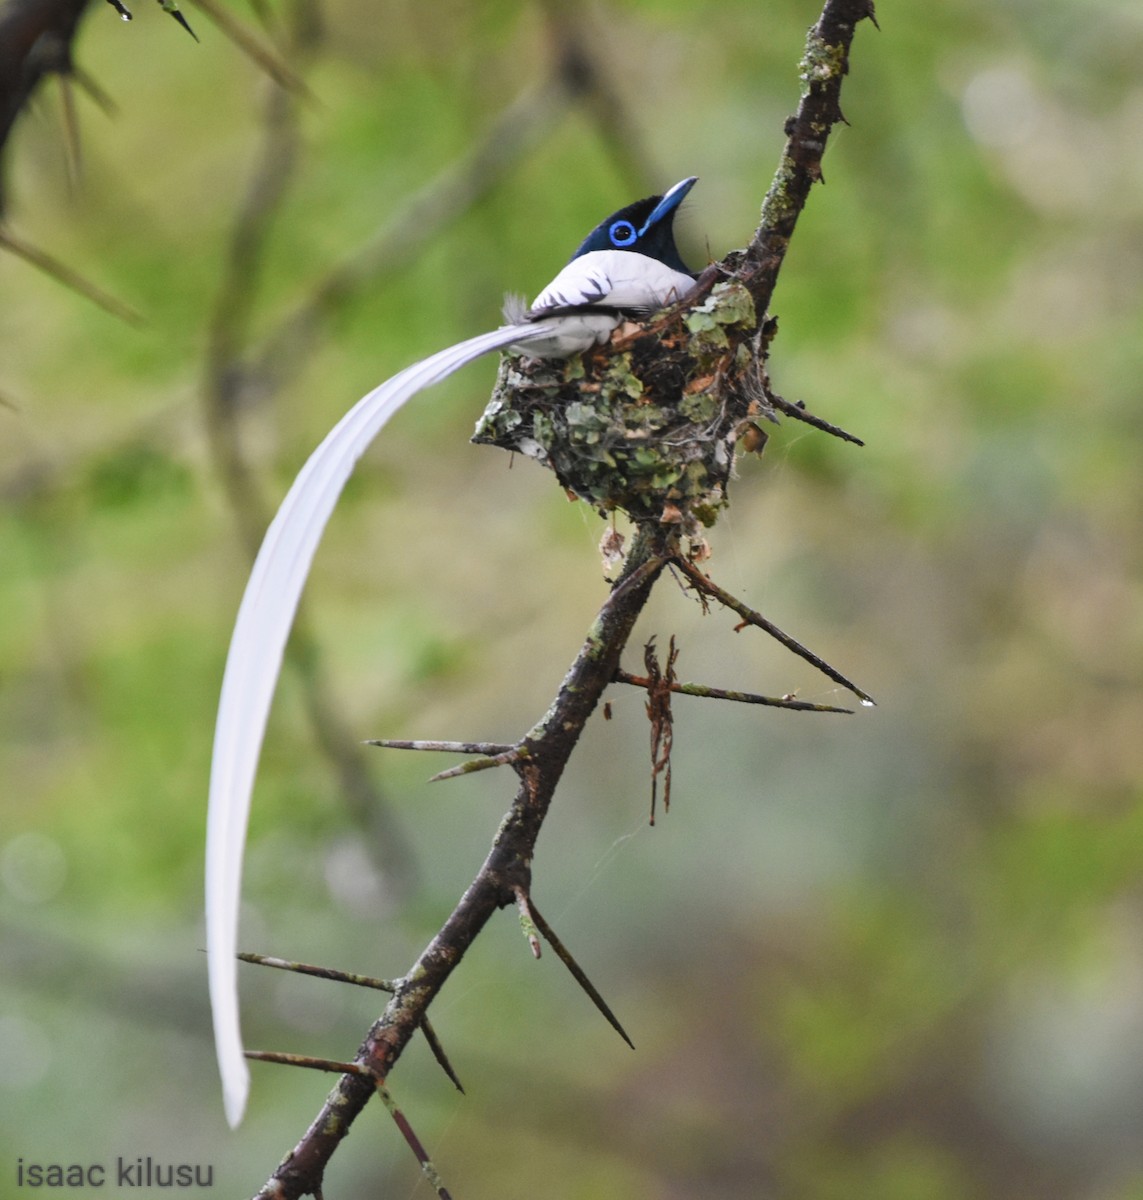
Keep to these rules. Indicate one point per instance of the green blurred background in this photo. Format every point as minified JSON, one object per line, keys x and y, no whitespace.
{"x":893,"y":955}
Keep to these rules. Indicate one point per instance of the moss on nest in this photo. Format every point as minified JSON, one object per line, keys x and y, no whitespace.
{"x":646,"y":423}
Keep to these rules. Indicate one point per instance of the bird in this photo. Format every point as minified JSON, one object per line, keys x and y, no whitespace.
{"x":628,"y":266}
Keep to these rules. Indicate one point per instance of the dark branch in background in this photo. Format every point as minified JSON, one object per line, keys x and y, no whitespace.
{"x":275,"y":66}
{"x":37,"y":39}
{"x":539,"y":758}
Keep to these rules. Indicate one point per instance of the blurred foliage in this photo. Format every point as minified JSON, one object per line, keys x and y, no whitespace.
{"x":892,"y":955}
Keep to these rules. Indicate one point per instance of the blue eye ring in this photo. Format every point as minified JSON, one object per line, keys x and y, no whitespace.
{"x":622,"y":234}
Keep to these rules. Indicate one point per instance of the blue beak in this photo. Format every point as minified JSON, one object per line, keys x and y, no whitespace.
{"x":669,"y":202}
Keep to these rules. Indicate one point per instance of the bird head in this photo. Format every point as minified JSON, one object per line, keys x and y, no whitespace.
{"x":645,"y":227}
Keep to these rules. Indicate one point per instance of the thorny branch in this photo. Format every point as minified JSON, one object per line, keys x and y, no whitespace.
{"x":539,"y":758}
{"x":505,"y":875}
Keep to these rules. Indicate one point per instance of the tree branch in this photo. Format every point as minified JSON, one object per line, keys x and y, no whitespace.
{"x":506,"y":869}
{"x":541,"y":755}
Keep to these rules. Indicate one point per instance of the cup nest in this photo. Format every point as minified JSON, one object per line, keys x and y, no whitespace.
{"x":647,"y":423}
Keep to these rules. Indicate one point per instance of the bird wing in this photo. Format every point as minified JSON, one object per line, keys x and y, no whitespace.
{"x":584,"y":281}
{"x":255,"y":659}
{"x":614,"y":279}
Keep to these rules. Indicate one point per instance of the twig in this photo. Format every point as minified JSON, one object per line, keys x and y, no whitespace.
{"x":515,"y":754}
{"x":255,"y":50}
{"x":659,"y":688}
{"x":577,"y":972}
{"x":714,"y":693}
{"x":444,"y":747}
{"x":505,"y":869}
{"x":284,"y":964}
{"x":366,"y":981}
{"x":70,"y":278}
{"x":823,"y":67}
{"x":304,"y":1060}
{"x":708,"y":587}
{"x":799,"y":414}
{"x":358,"y":1071}
{"x":402,"y":1122}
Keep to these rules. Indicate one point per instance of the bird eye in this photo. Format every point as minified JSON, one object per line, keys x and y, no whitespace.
{"x":622,"y":233}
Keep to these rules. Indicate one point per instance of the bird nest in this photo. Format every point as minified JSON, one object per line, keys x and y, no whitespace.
{"x":647,"y":423}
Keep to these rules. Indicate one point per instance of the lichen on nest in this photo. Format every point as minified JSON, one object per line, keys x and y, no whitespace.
{"x":646,"y":423}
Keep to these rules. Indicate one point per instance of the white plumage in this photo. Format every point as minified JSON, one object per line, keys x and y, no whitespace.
{"x":615,"y":279}
{"x":255,"y":661}
{"x":558,"y":324}
{"x":611,"y":279}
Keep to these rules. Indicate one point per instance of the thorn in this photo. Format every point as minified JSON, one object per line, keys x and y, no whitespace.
{"x":708,"y":587}
{"x":282,"y":964}
{"x":72,"y":280}
{"x":706,"y":692}
{"x":169,"y":6}
{"x":478,"y":764}
{"x":366,"y":981}
{"x":798,"y":412}
{"x":314,"y":1064}
{"x":443,"y":747}
{"x":402,"y":1122}
{"x":439,"y":1054}
{"x":253,"y":48}
{"x":124,"y":13}
{"x":565,"y":957}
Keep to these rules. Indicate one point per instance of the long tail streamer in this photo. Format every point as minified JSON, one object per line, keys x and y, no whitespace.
{"x":255,"y":661}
